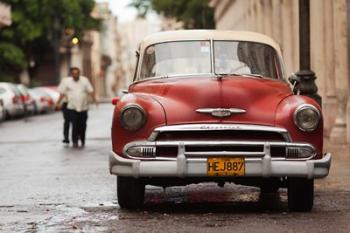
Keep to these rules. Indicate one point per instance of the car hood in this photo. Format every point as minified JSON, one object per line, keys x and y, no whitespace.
{"x":181,"y":97}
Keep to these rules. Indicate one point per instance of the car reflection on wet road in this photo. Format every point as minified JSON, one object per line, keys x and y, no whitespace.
{"x":46,"y":187}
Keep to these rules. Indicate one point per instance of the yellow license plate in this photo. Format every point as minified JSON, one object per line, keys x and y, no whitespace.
{"x":225,"y":167}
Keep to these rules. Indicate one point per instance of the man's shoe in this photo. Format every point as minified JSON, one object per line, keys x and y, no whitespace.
{"x":75,"y":145}
{"x":65,"y":141}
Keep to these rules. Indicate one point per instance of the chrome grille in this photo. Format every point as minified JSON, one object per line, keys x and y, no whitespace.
{"x":201,"y":141}
{"x":292,"y":152}
{"x":204,"y":149}
{"x":220,"y":135}
{"x":148,"y":151}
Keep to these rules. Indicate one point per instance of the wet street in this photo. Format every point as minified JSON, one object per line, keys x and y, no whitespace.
{"x":47,"y":187}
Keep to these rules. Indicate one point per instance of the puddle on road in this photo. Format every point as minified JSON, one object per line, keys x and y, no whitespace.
{"x":60,"y":216}
{"x":159,"y":204}
{"x":67,"y":218}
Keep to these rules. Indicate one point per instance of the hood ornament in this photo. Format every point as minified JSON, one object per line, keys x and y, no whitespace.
{"x":221,"y":112}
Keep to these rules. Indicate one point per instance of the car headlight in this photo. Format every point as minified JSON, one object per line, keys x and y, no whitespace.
{"x":132,"y":117}
{"x":307,"y":117}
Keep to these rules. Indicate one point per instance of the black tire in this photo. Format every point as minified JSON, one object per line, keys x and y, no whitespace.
{"x":36,"y":111}
{"x":300,"y":194}
{"x":269,"y":186}
{"x":3,"y":115}
{"x":130,"y":192}
{"x":7,"y":115}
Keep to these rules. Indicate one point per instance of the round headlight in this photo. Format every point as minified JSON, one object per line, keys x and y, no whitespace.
{"x":132,"y":117}
{"x":307,"y":117}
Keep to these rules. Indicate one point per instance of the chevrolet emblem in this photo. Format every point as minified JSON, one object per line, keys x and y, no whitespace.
{"x":221,"y":112}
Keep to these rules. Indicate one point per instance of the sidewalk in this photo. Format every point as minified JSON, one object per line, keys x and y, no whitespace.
{"x":339,"y":175}
{"x":105,"y":100}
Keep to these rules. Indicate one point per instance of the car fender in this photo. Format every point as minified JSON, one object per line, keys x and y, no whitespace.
{"x":284,"y":118}
{"x":154,"y":114}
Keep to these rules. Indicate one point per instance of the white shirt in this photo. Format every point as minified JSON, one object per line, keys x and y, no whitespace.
{"x":77,"y":93}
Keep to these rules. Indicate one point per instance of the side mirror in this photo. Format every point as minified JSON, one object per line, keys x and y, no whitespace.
{"x":294,"y":79}
{"x":115,"y":100}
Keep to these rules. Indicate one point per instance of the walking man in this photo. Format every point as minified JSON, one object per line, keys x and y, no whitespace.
{"x":77,"y":89}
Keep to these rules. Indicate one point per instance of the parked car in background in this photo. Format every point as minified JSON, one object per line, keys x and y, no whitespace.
{"x":215,"y":106}
{"x":43,"y":101}
{"x":29,"y":102}
{"x":2,"y":110}
{"x":12,"y":100}
{"x":51,"y":91}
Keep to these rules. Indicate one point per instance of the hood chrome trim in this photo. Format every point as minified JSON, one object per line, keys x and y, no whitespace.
{"x":221,"y":112}
{"x":224,"y":127}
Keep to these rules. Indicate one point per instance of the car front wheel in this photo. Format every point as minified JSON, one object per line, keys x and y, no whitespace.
{"x":130,"y":192}
{"x":300,"y":194}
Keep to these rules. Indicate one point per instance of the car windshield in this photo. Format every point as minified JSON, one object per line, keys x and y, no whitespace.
{"x":176,"y":58}
{"x":246,"y":58}
{"x":194,"y":58}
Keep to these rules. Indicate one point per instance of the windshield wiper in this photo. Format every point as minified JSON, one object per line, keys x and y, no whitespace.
{"x":254,"y":75}
{"x":235,"y":74}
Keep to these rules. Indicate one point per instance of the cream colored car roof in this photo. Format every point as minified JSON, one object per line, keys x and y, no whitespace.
{"x":181,"y":35}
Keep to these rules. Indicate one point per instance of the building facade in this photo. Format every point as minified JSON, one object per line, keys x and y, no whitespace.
{"x":96,"y":54}
{"x":329,"y":33}
{"x":131,"y":35}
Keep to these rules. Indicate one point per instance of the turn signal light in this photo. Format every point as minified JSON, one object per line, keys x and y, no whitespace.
{"x":299,"y":152}
{"x":141,"y":151}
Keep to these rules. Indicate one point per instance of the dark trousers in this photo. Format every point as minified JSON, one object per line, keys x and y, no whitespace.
{"x":66,"y":123}
{"x":79,"y":125}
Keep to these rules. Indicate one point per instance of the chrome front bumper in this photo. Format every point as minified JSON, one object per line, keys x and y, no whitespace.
{"x":194,"y":163}
{"x":197,"y":167}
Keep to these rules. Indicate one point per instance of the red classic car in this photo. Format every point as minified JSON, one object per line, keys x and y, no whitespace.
{"x":210,"y":105}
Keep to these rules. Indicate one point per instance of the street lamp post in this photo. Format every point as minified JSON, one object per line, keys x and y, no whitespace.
{"x":304,"y":79}
{"x":69,"y":41}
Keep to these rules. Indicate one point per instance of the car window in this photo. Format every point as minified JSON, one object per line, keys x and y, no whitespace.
{"x":174,"y":58}
{"x":14,"y":89}
{"x":41,"y":92}
{"x":2,"y":90}
{"x":22,"y":89}
{"x":241,"y":57}
{"x":33,"y":93}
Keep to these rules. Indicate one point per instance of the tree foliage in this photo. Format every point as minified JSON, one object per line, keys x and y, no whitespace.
{"x":193,"y":13}
{"x":36,"y":25}
{"x":142,"y":7}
